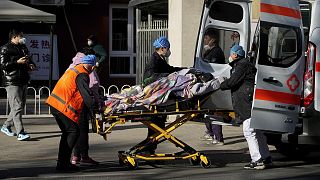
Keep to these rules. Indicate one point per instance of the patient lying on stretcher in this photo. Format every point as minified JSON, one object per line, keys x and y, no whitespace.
{"x":185,"y":84}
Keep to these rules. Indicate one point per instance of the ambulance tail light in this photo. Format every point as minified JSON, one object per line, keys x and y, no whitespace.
{"x":308,"y":93}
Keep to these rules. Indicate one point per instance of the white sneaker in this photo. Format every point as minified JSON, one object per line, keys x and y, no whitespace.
{"x":7,"y":131}
{"x":215,"y":142}
{"x":23,"y":136}
{"x":206,"y":137}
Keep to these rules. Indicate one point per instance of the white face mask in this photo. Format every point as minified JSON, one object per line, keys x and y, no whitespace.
{"x":167,"y":54}
{"x":206,"y":47}
{"x":22,"y":41}
{"x":230,"y":59}
{"x":90,"y":43}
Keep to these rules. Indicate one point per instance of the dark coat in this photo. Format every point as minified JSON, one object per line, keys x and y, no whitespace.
{"x":241,"y":84}
{"x":214,"y":55}
{"x":12,"y":72}
{"x":100,"y":53}
{"x":156,"y":68}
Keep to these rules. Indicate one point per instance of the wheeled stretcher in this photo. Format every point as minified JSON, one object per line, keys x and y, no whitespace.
{"x":190,"y":109}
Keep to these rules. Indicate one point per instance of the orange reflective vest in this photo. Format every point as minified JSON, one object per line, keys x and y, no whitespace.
{"x":65,"y":96}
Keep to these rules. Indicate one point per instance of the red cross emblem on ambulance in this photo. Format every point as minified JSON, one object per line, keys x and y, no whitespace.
{"x":293,"y":83}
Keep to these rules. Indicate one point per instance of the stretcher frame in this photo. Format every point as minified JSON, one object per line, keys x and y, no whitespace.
{"x":131,"y":156}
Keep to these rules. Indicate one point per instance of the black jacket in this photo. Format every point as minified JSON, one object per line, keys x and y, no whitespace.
{"x":214,"y":55}
{"x":156,"y":68}
{"x":12,"y":72}
{"x":241,"y":84}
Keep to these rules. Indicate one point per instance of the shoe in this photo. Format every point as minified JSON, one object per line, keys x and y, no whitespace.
{"x":7,"y":131}
{"x":216,"y":142}
{"x":255,"y":165}
{"x":75,"y":160}
{"x":267,"y":162}
{"x":66,"y":167}
{"x":206,"y":137}
{"x":23,"y":136}
{"x":88,"y":160}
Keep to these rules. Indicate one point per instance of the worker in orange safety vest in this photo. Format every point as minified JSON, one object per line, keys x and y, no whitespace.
{"x":70,"y":95}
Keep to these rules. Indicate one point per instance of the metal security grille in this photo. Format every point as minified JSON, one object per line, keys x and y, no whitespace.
{"x":147,"y":32}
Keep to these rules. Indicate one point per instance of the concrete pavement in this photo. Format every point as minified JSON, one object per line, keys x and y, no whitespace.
{"x":36,"y":158}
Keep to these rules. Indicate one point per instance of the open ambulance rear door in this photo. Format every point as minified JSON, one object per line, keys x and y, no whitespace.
{"x":231,"y":20}
{"x":280,"y":67}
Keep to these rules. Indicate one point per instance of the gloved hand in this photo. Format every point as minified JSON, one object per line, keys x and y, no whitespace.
{"x":205,"y":77}
{"x":222,"y":78}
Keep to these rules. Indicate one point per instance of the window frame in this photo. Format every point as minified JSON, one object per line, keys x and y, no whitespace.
{"x":299,"y":46}
{"x":130,"y":30}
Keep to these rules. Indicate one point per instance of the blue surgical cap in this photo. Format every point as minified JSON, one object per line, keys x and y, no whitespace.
{"x":89,"y":59}
{"x":236,"y":49}
{"x":161,"y":42}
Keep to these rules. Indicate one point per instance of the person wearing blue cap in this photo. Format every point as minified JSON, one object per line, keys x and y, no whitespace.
{"x":69,"y":97}
{"x":156,"y":68}
{"x":81,"y":149}
{"x":241,"y":84}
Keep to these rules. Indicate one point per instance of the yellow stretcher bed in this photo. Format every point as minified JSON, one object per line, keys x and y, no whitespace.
{"x":189,"y":109}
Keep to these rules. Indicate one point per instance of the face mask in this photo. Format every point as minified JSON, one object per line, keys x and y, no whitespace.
{"x":167,"y":54}
{"x":22,"y":41}
{"x":230,"y":59}
{"x":90,"y":43}
{"x":206,"y":47}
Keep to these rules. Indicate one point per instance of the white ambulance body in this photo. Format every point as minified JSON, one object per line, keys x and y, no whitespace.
{"x":277,"y":50}
{"x":310,"y":134}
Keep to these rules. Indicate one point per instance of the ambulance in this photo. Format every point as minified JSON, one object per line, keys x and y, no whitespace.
{"x":283,"y":47}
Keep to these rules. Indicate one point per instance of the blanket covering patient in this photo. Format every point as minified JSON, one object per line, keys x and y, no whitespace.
{"x":185,"y":83}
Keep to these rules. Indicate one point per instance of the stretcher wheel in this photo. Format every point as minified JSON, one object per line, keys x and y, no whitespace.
{"x":204,"y":165}
{"x":205,"y":162}
{"x":195,"y":160}
{"x":132,"y":163}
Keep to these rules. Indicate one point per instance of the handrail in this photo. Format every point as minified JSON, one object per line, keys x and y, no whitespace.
{"x":35,"y":100}
{"x":39,"y":98}
{"x":125,"y":86}
{"x":112,"y":86}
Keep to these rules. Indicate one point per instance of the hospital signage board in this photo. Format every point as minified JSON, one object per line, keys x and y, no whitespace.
{"x":39,"y":48}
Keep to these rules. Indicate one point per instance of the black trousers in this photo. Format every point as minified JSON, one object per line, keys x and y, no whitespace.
{"x":82,"y":146}
{"x":161,"y":122}
{"x":70,"y":134}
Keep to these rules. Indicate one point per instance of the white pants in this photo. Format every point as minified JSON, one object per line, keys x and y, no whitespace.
{"x":257,"y":142}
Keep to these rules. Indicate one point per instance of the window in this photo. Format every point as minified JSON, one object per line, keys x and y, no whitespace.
{"x":228,"y":12}
{"x":122,"y":55}
{"x":121,"y":65}
{"x":279,"y":45}
{"x":305,"y":8}
{"x":216,"y":45}
{"x":119,"y":29}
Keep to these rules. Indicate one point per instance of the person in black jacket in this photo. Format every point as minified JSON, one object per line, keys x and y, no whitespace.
{"x":212,"y":53}
{"x":156,"y":68}
{"x":15,"y":65}
{"x":241,"y":84}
